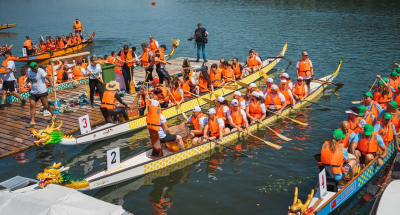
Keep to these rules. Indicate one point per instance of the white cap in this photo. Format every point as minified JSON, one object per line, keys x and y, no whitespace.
{"x":196,"y":109}
{"x":351,"y":112}
{"x":283,"y":81}
{"x":252,"y":85}
{"x":220,"y":99}
{"x":237,"y":93}
{"x":270,"y":80}
{"x":211,"y":111}
{"x":299,"y":78}
{"x":274,"y":87}
{"x":255,"y":94}
{"x":235,"y":102}
{"x":154,"y":103}
{"x":285,"y":75}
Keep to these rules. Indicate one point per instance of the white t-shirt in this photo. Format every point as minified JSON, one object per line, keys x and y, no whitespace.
{"x":241,"y":112}
{"x":305,"y":77}
{"x":95,"y":70}
{"x":290,"y":86}
{"x":38,"y":81}
{"x":161,"y":132}
{"x":10,"y":76}
{"x":281,"y":96}
{"x":202,"y":121}
{"x":243,"y":104}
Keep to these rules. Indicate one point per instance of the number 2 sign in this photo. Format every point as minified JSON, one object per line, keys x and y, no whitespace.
{"x":113,"y":159}
{"x":84,"y":124}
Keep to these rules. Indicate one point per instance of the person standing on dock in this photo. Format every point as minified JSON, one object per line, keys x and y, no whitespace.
{"x":125,"y":58}
{"x":77,"y":27}
{"x":304,"y":68}
{"x":94,"y":69}
{"x":153,"y":45}
{"x":37,"y":77}
{"x":147,"y":61}
{"x":200,"y":36}
{"x":159,"y":60}
{"x":7,"y":71}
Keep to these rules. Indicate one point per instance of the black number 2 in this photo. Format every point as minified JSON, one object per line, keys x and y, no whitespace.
{"x":114,"y":154}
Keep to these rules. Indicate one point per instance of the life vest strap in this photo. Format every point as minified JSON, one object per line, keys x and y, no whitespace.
{"x":153,"y":124}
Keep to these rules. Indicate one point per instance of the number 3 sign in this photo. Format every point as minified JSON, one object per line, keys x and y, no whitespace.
{"x":84,"y":124}
{"x":113,"y":159}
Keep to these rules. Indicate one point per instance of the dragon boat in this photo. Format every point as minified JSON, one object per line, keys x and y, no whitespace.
{"x":142,"y":163}
{"x":110,"y":130}
{"x":5,"y":26}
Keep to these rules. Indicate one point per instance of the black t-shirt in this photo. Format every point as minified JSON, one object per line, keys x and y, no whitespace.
{"x":200,"y":35}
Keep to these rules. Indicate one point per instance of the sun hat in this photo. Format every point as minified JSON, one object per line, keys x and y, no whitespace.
{"x":221,"y":99}
{"x":196,"y":109}
{"x":252,"y":85}
{"x":235,"y":102}
{"x":285,"y":75}
{"x":255,"y":94}
{"x":112,"y":85}
{"x":274,"y":87}
{"x":211,"y":111}
{"x":270,"y":80}
{"x":237,"y":93}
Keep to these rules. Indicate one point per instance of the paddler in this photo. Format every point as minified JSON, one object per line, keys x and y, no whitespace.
{"x":237,"y":117}
{"x":204,"y":83}
{"x":199,"y":121}
{"x":108,"y":103}
{"x":188,"y":87}
{"x":77,"y":27}
{"x":275,"y":100}
{"x":387,"y":130}
{"x":42,"y":46}
{"x":269,"y":82}
{"x":394,"y":80}
{"x":237,"y":69}
{"x":125,"y":60}
{"x":95,"y":71}
{"x":300,"y":90}
{"x":161,"y":92}
{"x":227,"y":73}
{"x":37,"y":77}
{"x":287,"y":93}
{"x":153,"y":121}
{"x":336,"y":157}
{"x":242,"y":102}
{"x":222,"y":109}
{"x":28,"y":46}
{"x":366,"y":115}
{"x":383,"y":93}
{"x":22,"y":83}
{"x":221,"y":63}
{"x":355,"y":120}
{"x":176,"y":94}
{"x":216,"y":76}
{"x":147,"y":60}
{"x":371,"y":105}
{"x":7,"y":71}
{"x":112,"y":59}
{"x":255,"y":109}
{"x":304,"y":69}
{"x":366,"y":144}
{"x":285,"y":76}
{"x":254,"y":63}
{"x":159,"y":60}
{"x":350,"y":135}
{"x":79,"y":71}
{"x":215,"y":128}
{"x":253,"y":88}
{"x":153,"y":44}
{"x":396,"y":96}
{"x":392,"y":109}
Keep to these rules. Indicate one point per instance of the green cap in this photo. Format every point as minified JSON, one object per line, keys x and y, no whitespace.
{"x":361,"y":110}
{"x":394,"y":74}
{"x":338,"y":134}
{"x":380,"y":82}
{"x":369,"y":94}
{"x":387,"y":115}
{"x":368,"y":129}
{"x":385,"y":79}
{"x":33,"y":65}
{"x":393,"y":104}
{"x":397,"y":69}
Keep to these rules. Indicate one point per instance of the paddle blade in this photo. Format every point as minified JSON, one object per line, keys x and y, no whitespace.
{"x":231,"y":87}
{"x":356,"y":102}
{"x":264,"y":74}
{"x":209,"y":101}
{"x":242,"y":84}
{"x":132,"y":88}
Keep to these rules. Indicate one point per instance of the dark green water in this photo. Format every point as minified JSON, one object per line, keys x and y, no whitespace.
{"x":365,"y":33}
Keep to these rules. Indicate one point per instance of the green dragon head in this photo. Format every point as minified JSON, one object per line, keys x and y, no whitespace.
{"x":56,"y":175}
{"x":48,"y":135}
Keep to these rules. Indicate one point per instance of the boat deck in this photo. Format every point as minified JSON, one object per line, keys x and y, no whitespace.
{"x":15,"y":138}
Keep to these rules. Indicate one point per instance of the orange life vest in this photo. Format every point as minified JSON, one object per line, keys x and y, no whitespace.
{"x":118,"y":70}
{"x":354,"y":125}
{"x":162,"y":57}
{"x":374,"y":108}
{"x":196,"y":123}
{"x":78,"y":26}
{"x":304,"y":67}
{"x":397,"y":97}
{"x":28,"y":44}
{"x":69,"y":43}
{"x":285,"y":92}
{"x":74,"y":41}
{"x":396,"y":120}
{"x":334,"y":159}
{"x":394,"y":83}
{"x":255,"y":109}
{"x":228,"y":74}
{"x":4,"y":65}
{"x":382,"y":99}
{"x":252,"y":62}
{"x":300,"y":90}
{"x":214,"y":127}
{"x":163,"y":96}
{"x":176,"y":93}
{"x":145,"y":59}
{"x":153,"y":118}
{"x":153,"y":45}
{"x":276,"y":101}
{"x":186,"y":88}
{"x":220,"y":111}
{"x":216,"y":78}
{"x":111,"y":59}
{"x":78,"y":38}
{"x":369,"y":119}
{"x":203,"y":85}
{"x":346,"y":140}
{"x":109,"y":100}
{"x":237,"y":117}
{"x":128,"y":57}
{"x":388,"y":137}
{"x":236,"y":70}
{"x":77,"y":73}
{"x":49,"y":70}
{"x":60,"y":44}
{"x":43,"y":47}
{"x":21,"y":82}
{"x":60,"y":73}
{"x":368,"y":146}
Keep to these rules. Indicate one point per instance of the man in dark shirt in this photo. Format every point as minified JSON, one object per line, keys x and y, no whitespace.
{"x":200,"y":36}
{"x":108,"y":103}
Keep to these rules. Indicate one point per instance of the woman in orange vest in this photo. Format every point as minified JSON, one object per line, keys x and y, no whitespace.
{"x":62,"y":74}
{"x":304,"y":68}
{"x":204,"y":82}
{"x":215,"y":128}
{"x":79,"y":71}
{"x":153,"y":45}
{"x":355,"y":120}
{"x":394,"y":80}
{"x":77,"y":27}
{"x":59,"y":43}
{"x":367,"y":144}
{"x":335,"y":156}
{"x":42,"y":46}
{"x":387,"y":130}
{"x":237,"y":69}
{"x":216,"y":76}
{"x":237,"y":118}
{"x":300,"y":91}
{"x":161,"y":92}
{"x":383,"y":93}
{"x":285,"y":76}
{"x":256,"y":110}
{"x":126,"y":60}
{"x":28,"y":45}
{"x":109,"y":101}
{"x":188,"y":87}
{"x":254,"y":63}
{"x":22,"y":83}
{"x":222,"y":109}
{"x":275,"y":100}
{"x":199,"y":121}
{"x":283,"y":88}
{"x":227,"y":73}
{"x":176,"y":94}
{"x":100,"y":60}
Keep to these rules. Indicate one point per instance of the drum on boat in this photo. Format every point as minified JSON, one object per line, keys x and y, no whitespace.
{"x":182,"y":131}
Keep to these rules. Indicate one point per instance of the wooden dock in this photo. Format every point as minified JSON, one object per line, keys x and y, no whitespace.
{"x":14,"y":137}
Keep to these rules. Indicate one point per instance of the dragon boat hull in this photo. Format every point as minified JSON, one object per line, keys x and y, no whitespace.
{"x":6,"y":26}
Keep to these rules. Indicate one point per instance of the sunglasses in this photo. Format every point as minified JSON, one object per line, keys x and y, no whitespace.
{"x":305,"y":55}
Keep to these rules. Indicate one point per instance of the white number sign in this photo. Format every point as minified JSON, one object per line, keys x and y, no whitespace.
{"x":113,"y":159}
{"x":322,"y":183}
{"x":24,"y":52}
{"x":84,"y":124}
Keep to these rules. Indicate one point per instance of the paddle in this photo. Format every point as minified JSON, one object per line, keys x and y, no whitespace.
{"x":209,"y":101}
{"x":358,"y":102}
{"x":328,"y":82}
{"x":273,"y":145}
{"x":230,"y":87}
{"x":281,"y":57}
{"x":178,"y":106}
{"x":242,"y":84}
{"x":301,"y":123}
{"x":276,"y":133}
{"x":328,"y":108}
{"x":215,"y":141}
{"x":216,"y":95}
{"x":132,"y":84}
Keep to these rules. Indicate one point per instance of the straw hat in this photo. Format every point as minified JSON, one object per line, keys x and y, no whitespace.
{"x":112,"y":85}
